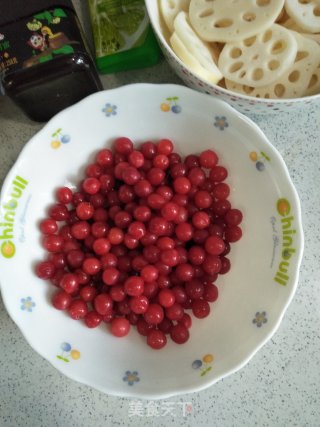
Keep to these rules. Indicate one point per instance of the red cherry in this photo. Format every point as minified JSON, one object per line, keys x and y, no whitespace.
{"x":179,"y":333}
{"x":208,"y":159}
{"x":156,"y":339}
{"x":61,"y":300}
{"x":120,"y":327}
{"x":77,"y":309}
{"x":141,"y":240}
{"x":154,"y":314}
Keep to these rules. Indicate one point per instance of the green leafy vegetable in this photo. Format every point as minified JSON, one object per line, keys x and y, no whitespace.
{"x":113,"y":21}
{"x":129,"y":22}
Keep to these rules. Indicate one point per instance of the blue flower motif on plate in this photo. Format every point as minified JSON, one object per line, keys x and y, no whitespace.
{"x":131,"y":377}
{"x":27,"y":304}
{"x":260,"y":318}
{"x":221,"y":122}
{"x":110,"y":110}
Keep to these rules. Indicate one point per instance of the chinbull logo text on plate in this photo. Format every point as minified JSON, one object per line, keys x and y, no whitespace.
{"x":8,"y":216}
{"x":288,"y":234}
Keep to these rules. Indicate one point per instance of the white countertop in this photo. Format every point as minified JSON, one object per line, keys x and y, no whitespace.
{"x":279,"y":387}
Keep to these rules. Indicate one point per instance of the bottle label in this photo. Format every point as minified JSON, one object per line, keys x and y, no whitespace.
{"x":118,"y":25}
{"x":38,"y":39}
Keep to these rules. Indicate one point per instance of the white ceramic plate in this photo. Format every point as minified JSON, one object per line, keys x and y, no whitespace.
{"x":253,"y":295}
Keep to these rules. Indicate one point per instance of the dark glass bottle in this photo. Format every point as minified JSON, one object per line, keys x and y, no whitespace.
{"x":45,"y":65}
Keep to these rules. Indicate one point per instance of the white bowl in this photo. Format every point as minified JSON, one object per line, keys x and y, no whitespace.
{"x":253,"y":295}
{"x":243,"y":103}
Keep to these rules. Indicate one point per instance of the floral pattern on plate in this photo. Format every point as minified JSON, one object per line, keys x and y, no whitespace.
{"x":221,"y":122}
{"x":58,"y":138}
{"x":110,"y":110}
{"x":171,"y":104}
{"x":27,"y":304}
{"x":259,"y":159}
{"x":131,"y":377}
{"x":203,"y":365}
{"x":260,"y":318}
{"x":68,"y":352}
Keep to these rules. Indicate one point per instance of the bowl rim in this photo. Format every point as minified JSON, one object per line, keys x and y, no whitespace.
{"x":305,"y":100}
{"x":177,"y":390}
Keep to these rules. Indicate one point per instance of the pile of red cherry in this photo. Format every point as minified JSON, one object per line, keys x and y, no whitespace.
{"x":141,"y":241}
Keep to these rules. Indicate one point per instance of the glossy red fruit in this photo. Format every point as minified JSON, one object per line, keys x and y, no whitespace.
{"x":200,"y":220}
{"x":105,"y":158}
{"x":179,"y":333}
{"x":142,"y":240}
{"x":45,"y":270}
{"x":218,"y":174}
{"x":120,"y":327}
{"x":210,"y":292}
{"x":184,"y":231}
{"x":200,"y":308}
{"x":194,"y":289}
{"x":174,"y":311}
{"x":170,"y":211}
{"x":48,"y":226}
{"x":136,"y":159}
{"x":165,"y":146}
{"x":61,"y":300}
{"x":110,"y":276}
{"x":69,"y":283}
{"x":154,"y":314}
{"x":148,"y":149}
{"x":139,"y":304}
{"x":149,"y":273}
{"x":166,"y":298}
{"x":134,"y":286}
{"x":53,"y":243}
{"x":92,"y":319}
{"x":91,"y":185}
{"x":208,"y":159}
{"x":123,"y":145}
{"x":88,"y":293}
{"x":212,"y":264}
{"x":156,"y":339}
{"x":170,"y":257}
{"x":182,"y":185}
{"x":214,"y":245}
{"x":233,"y":234}
{"x":233,"y":217}
{"x":77,"y":309}
{"x":186,"y":321}
{"x":196,"y":255}
{"x":59,"y":212}
{"x":91,"y":266}
{"x":203,"y":199}
{"x":103,"y":304}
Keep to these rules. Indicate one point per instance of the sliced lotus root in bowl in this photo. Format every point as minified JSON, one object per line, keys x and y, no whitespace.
{"x":282,"y":17}
{"x":190,"y":61}
{"x":230,"y":21}
{"x":170,"y":9}
{"x":306,"y":14}
{"x":291,"y":25}
{"x":314,"y":83}
{"x":261,"y":59}
{"x":200,"y":50}
{"x":295,"y":81}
